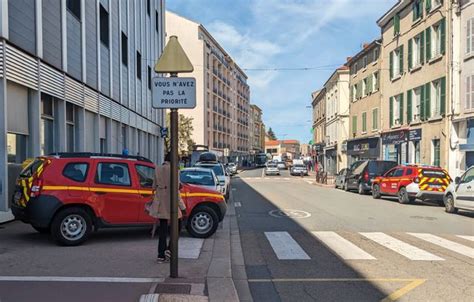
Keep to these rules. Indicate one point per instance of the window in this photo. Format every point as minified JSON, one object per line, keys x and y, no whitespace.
{"x":124,"y":137}
{"x":417,"y":10}
{"x":398,"y":173}
{"x":436,"y":98}
{"x":364,"y":87}
{"x":364,"y":61}
{"x":74,"y":6}
{"x":414,"y":109}
{"x":415,"y":51}
{"x":139,"y":65}
{"x":116,"y":174}
{"x":76,"y":171}
{"x":146,"y":175}
{"x":436,"y":152}
{"x":364,"y":122}
{"x":396,"y":62}
{"x":149,"y":77}
{"x":124,"y":49}
{"x":375,"y":81}
{"x":470,"y":36}
{"x":375,"y":54}
{"x":70,"y":132}
{"x":156,"y":21}
{"x":436,"y":39}
{"x":148,"y":7}
{"x":354,"y":125}
{"x":375,"y":119}
{"x":16,"y":148}
{"x":396,"y":25}
{"x":468,"y":176}
{"x":104,"y":26}
{"x":356,"y":67}
{"x":469,"y":96}
{"x":47,"y":125}
{"x":396,"y":110}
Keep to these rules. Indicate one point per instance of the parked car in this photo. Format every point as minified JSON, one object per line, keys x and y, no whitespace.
{"x":298,"y":169}
{"x":222,"y":175}
{"x":460,"y":194}
{"x":341,"y":178}
{"x":231,"y":168}
{"x":362,"y":173}
{"x":202,"y":177}
{"x":71,"y":194}
{"x":281,"y":165}
{"x":272,"y":169}
{"x":409,"y":182}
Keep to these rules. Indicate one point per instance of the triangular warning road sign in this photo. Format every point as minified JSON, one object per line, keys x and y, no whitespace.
{"x":173,"y":59}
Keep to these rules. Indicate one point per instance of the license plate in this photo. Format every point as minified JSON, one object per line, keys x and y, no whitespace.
{"x":17,"y":197}
{"x":435,"y":186}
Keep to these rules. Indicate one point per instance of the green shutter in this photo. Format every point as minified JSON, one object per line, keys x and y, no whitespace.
{"x":396,"y":24}
{"x":428,"y":5}
{"x":401,"y":58}
{"x":354,"y":124}
{"x":377,"y":81}
{"x":364,"y":122}
{"x":375,"y":119}
{"x":369,"y":84}
{"x":422,"y":103}
{"x":443,"y":96}
{"x":391,"y":111}
{"x":400,"y":115}
{"x":409,"y":105}
{"x":422,"y":47}
{"x":427,"y":100}
{"x":410,"y":54}
{"x":428,"y":43}
{"x":391,"y":64}
{"x":442,"y":26}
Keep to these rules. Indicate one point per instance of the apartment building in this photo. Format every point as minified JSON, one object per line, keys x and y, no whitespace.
{"x":364,"y":106}
{"x":257,"y":132}
{"x":462,"y":133}
{"x":287,"y":149}
{"x":221,"y":117}
{"x":337,"y":120}
{"x":76,"y":76}
{"x":319,"y":123}
{"x":415,"y":81}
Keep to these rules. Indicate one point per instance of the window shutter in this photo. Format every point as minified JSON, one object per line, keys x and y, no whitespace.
{"x":442,"y":25}
{"x":391,"y":64}
{"x":422,"y":103}
{"x":443,"y":96}
{"x":369,"y":83}
{"x":400,"y":115}
{"x":391,"y":111}
{"x":469,"y":35}
{"x":409,"y":105}
{"x":354,"y":124}
{"x":401,"y":58}
{"x":410,"y":55}
{"x":377,"y":82}
{"x":427,"y":100}
{"x":396,"y":24}
{"x":422,"y":47}
{"x":467,"y":96}
{"x":472,"y":34}
{"x":413,"y":10}
{"x":428,"y":43}
{"x":428,"y":5}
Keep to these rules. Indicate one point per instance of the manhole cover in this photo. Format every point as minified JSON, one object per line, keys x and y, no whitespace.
{"x":289,"y":213}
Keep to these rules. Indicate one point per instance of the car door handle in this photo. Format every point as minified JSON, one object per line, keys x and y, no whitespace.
{"x":145,"y":195}
{"x":469,"y":187}
{"x":100,"y":193}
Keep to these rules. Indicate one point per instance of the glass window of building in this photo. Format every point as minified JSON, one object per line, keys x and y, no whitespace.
{"x":47,"y":125}
{"x":103,"y":134}
{"x":104,"y":26}
{"x":124,"y":49}
{"x":74,"y":6}
{"x":70,"y":127}
{"x":16,"y":148}
{"x":436,"y":152}
{"x":124,"y":137}
{"x":139,"y":65}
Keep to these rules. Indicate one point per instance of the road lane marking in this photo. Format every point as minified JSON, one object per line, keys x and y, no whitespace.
{"x":343,"y":247}
{"x":237,"y":204}
{"x":470,"y":238}
{"x":285,"y":247}
{"x":404,"y":290}
{"x":447,"y":244}
{"x":263,"y":173}
{"x":190,"y":248}
{"x":286,"y":178}
{"x":80,"y":279}
{"x":409,"y":251}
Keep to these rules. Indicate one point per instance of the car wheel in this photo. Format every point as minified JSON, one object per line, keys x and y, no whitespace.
{"x":360,"y":189}
{"x":203,"y":222}
{"x":71,"y":226}
{"x":449,"y":204}
{"x":403,"y":197}
{"x":376,"y":192}
{"x":41,"y":230}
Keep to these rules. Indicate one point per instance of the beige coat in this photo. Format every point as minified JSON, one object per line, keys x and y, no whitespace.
{"x":160,"y":207}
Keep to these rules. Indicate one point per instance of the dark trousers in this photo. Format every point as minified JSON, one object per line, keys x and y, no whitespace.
{"x":163,"y":238}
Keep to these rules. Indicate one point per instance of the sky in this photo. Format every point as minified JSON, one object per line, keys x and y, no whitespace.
{"x":268,"y":37}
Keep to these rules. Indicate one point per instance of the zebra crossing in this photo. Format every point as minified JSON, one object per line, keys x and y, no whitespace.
{"x":423,"y":247}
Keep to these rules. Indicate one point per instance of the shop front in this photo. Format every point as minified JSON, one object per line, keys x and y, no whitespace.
{"x":468,"y":147}
{"x":363,"y":149}
{"x":402,"y":146}
{"x":318,"y":153}
{"x":331,"y":160}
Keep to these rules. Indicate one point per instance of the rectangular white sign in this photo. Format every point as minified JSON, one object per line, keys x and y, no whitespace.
{"x":174,"y":93}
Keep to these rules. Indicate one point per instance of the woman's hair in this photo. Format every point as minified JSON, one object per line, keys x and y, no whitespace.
{"x":168,"y":157}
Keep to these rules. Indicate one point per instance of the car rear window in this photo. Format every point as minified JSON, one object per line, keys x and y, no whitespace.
{"x":271,"y":165}
{"x":197,"y":178}
{"x":358,"y":167}
{"x":217,"y":168}
{"x":29,"y":170}
{"x":433,"y":173}
{"x":76,"y":171}
{"x":378,"y":168}
{"x":146,"y":175}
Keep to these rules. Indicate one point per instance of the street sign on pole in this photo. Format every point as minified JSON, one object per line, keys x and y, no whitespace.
{"x":174,"y":60}
{"x":174,"y":93}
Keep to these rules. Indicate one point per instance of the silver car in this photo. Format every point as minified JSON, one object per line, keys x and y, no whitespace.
{"x":341,"y":178}
{"x":221,"y":174}
{"x":201,"y":177}
{"x":272,"y":169}
{"x":298,"y":170}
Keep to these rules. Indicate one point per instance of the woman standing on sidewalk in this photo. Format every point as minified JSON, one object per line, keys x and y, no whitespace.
{"x":160,"y":208}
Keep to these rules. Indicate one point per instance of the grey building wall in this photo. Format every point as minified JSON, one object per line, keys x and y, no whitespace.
{"x":22,"y":24}
{"x":104,"y":70}
{"x":115,"y":44}
{"x":91,"y":43}
{"x":51,"y":17}
{"x":90,"y":126}
{"x":132,"y":55}
{"x":74,"y":49}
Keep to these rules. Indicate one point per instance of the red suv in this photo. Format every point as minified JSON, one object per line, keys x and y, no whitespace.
{"x":409,"y":182}
{"x":72,"y":194}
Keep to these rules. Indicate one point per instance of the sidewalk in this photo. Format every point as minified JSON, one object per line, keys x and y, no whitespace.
{"x":6,"y":216}
{"x":217,"y":275}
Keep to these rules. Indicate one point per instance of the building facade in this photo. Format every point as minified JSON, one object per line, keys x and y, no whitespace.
{"x":319,"y":124}
{"x":76,"y":76}
{"x":221,"y":117}
{"x":416,"y":81}
{"x":256,"y":129}
{"x":286,"y":149}
{"x":462,"y":132}
{"x":337,"y":120}
{"x":364,"y":107}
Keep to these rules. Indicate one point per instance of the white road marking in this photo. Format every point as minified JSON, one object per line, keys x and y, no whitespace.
{"x":263,"y":173}
{"x":470,"y":238}
{"x":80,"y":279}
{"x":237,"y":204}
{"x":309,"y":181}
{"x":343,"y":247}
{"x":447,"y":244}
{"x":285,"y":247}
{"x":190,"y":248}
{"x":234,"y":189}
{"x":409,"y":251}
{"x":286,"y":178}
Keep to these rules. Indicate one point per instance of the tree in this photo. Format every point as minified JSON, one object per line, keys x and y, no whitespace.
{"x":271,"y":134}
{"x":185,"y":132}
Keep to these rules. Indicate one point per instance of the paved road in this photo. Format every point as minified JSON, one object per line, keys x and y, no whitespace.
{"x":302,"y":242}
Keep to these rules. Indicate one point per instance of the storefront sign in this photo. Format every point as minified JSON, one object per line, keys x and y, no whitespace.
{"x":365,"y":148}
{"x":414,"y":135}
{"x":394,"y":138}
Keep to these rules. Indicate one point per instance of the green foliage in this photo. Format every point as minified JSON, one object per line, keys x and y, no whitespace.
{"x":271,"y":134}
{"x":185,"y":132}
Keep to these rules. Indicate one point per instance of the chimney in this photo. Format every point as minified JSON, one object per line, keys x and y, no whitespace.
{"x":348,"y":59}
{"x":365,"y":45}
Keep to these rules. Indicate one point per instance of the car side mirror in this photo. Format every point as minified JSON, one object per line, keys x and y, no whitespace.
{"x":457,"y":180}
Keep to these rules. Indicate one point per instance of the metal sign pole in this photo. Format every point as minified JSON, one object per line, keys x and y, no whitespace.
{"x":174,"y":232}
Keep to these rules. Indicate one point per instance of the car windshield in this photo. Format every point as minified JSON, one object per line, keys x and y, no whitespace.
{"x":215,"y":167}
{"x":299,"y":166}
{"x":202,"y":178}
{"x":271,"y":166}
